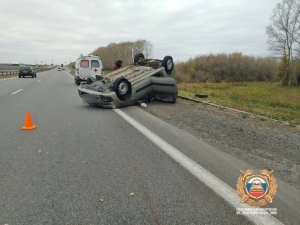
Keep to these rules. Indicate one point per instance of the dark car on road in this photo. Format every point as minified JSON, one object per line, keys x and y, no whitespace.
{"x":27,"y":71}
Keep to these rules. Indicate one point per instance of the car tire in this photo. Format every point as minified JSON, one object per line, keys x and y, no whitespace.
{"x":174,"y":99}
{"x":200,"y":95}
{"x":168,"y":64}
{"x":77,"y":82}
{"x":122,"y":88}
{"x":139,"y":57}
{"x":89,"y":81}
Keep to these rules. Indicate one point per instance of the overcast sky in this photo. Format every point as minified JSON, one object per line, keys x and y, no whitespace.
{"x":42,"y":30}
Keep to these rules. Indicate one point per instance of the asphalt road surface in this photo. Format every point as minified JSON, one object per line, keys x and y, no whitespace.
{"x":88,"y":165}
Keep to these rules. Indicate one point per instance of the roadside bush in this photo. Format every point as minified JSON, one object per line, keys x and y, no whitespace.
{"x":232,"y":67}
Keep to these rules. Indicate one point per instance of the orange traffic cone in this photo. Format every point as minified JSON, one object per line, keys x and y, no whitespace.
{"x":28,"y":125}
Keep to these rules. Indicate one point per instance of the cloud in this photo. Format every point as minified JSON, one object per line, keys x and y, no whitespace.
{"x":61,"y":30}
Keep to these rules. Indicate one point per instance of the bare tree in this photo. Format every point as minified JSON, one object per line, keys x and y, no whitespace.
{"x":124,"y":51}
{"x":148,"y":49}
{"x":283,"y":32}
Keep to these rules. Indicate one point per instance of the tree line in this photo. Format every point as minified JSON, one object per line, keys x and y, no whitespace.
{"x":284,"y":40}
{"x":234,"y":67}
{"x":124,"y":51}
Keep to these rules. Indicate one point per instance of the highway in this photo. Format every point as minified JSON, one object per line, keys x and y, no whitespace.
{"x":89,"y":165}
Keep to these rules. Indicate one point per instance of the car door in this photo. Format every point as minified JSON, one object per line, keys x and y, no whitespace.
{"x":84,"y":70}
{"x":95,"y":67}
{"x":142,"y":87}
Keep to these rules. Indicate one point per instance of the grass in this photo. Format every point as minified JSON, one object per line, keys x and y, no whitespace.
{"x":8,"y":75}
{"x":267,"y":99}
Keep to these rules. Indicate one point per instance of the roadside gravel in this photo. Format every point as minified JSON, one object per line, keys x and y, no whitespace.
{"x":264,"y":144}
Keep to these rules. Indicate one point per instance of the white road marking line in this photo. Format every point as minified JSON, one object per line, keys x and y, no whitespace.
{"x":214,"y":183}
{"x":16,"y":91}
{"x":39,"y":80}
{"x":8,"y":78}
{"x":70,"y":75}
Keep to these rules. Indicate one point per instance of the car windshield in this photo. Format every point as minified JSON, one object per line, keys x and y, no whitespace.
{"x":25,"y":68}
{"x":95,"y":63}
{"x":84,"y":63}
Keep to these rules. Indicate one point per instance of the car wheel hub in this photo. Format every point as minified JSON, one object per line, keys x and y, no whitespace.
{"x":123,"y":88}
{"x":169,"y":64}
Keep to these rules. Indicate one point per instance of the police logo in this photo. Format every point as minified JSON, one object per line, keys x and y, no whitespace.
{"x":256,"y":189}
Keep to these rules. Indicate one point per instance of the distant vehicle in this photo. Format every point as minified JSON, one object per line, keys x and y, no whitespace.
{"x":17,"y":64}
{"x":27,"y":71}
{"x":87,"y":67}
{"x":145,"y":79}
{"x":58,"y":69}
{"x":62,"y":65}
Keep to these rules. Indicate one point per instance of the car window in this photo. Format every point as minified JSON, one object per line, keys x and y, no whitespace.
{"x":95,"y":63}
{"x":84,"y":63}
{"x":25,"y":67}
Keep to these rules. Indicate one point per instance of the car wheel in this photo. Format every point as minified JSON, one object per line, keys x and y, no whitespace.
{"x":89,"y":81}
{"x":200,"y":95}
{"x":168,"y":64}
{"x":139,"y":58}
{"x":77,"y":82}
{"x":122,"y":88}
{"x":174,"y":101}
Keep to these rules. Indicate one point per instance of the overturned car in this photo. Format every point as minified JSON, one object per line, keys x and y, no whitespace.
{"x":144,"y":80}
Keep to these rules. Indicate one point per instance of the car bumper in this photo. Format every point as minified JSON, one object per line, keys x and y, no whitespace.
{"x":26,"y":74}
{"x":107,"y":100}
{"x":81,"y":78}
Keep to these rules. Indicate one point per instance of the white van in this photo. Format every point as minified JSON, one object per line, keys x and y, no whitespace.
{"x":87,"y":67}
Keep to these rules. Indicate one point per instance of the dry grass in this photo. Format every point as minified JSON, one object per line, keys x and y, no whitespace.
{"x":8,"y":75}
{"x":262,"y":98}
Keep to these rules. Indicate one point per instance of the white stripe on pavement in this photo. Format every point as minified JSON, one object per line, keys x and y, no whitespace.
{"x":39,"y":80}
{"x":214,"y":183}
{"x":70,"y":75}
{"x":16,"y":91}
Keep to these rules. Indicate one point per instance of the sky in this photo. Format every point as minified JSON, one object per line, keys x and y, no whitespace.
{"x":58,"y":31}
